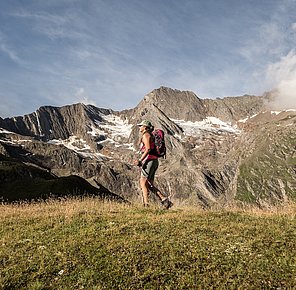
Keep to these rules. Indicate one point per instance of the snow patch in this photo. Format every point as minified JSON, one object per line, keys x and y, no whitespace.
{"x":129,"y":146}
{"x":278,"y":112}
{"x":79,"y":146}
{"x":114,"y":129}
{"x":96,"y":131}
{"x":74,"y":143}
{"x":275,"y":112}
{"x":38,"y":124}
{"x":246,"y":119}
{"x":8,"y":142}
{"x":97,"y":156}
{"x":5,"y":131}
{"x":116,"y":126}
{"x":111,"y":125}
{"x":271,"y":112}
{"x":211,"y":124}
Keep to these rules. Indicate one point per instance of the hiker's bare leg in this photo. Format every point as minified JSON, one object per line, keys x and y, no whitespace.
{"x":156,"y":191}
{"x":144,"y":187}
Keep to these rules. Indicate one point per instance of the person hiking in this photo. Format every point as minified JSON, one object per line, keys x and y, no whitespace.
{"x":149,"y":164}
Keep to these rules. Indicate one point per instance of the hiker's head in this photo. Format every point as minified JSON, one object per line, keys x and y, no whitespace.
{"x":145,"y":125}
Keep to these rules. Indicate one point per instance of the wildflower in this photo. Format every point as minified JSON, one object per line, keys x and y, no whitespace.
{"x":61,"y":272}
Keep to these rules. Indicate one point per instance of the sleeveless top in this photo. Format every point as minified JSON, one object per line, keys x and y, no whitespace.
{"x":152,"y":146}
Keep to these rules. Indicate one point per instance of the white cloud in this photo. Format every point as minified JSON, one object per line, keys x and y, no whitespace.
{"x":5,"y":48}
{"x":282,"y":76}
{"x":53,"y":26}
{"x":283,"y":69}
{"x":269,"y":40}
{"x":272,"y":38}
{"x":293,"y":26}
{"x":81,"y":97}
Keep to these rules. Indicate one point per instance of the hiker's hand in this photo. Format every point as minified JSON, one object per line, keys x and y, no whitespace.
{"x":138,"y":163}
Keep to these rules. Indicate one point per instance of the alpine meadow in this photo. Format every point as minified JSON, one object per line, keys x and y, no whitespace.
{"x":84,"y":243}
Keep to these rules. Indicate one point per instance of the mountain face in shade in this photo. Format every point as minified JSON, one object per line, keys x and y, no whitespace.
{"x":220,"y":151}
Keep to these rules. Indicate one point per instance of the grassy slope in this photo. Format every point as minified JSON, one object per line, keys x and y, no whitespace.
{"x":270,"y":168}
{"x":91,"y":245}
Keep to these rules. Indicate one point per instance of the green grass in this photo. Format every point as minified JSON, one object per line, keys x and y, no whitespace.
{"x":87,"y":244}
{"x":272,"y":160}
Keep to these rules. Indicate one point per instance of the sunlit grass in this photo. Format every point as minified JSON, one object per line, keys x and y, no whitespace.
{"x":89,"y":244}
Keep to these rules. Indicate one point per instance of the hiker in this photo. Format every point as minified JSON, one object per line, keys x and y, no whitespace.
{"x":149,"y":164}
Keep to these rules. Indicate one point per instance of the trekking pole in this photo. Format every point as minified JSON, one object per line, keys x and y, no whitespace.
{"x":170,"y":190}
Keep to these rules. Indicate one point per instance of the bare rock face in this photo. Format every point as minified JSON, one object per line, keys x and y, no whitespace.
{"x":234,"y":108}
{"x":185,"y":105}
{"x":175,"y":104}
{"x":49,"y":123}
{"x":22,"y":181}
{"x":218,"y":151}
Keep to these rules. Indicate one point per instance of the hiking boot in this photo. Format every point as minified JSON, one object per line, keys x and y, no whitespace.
{"x":167,"y":203}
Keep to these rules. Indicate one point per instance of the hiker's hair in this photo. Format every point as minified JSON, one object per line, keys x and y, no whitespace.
{"x":149,"y":130}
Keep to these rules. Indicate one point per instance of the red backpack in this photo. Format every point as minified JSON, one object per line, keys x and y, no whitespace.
{"x":159,"y":149}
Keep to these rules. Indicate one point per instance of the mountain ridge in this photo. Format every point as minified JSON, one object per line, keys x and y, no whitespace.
{"x":209,"y":143}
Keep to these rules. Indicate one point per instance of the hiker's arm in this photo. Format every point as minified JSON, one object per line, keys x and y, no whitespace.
{"x":146,"y":140}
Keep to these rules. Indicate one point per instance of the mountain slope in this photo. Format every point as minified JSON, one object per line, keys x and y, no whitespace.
{"x":268,"y":171}
{"x":20,"y":181}
{"x":53,"y":122}
{"x":219,"y":151}
{"x":234,"y":108}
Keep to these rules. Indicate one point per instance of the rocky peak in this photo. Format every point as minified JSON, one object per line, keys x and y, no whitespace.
{"x":183,"y":105}
{"x":159,"y":120}
{"x":55,"y":122}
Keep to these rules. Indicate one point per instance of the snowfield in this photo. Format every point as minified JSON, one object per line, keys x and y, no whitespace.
{"x":211,"y":124}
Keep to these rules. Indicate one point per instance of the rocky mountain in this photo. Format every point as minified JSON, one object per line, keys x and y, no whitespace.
{"x":20,"y":181}
{"x":220,"y":151}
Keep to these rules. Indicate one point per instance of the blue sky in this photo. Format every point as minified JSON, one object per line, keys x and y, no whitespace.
{"x":111,"y":53}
